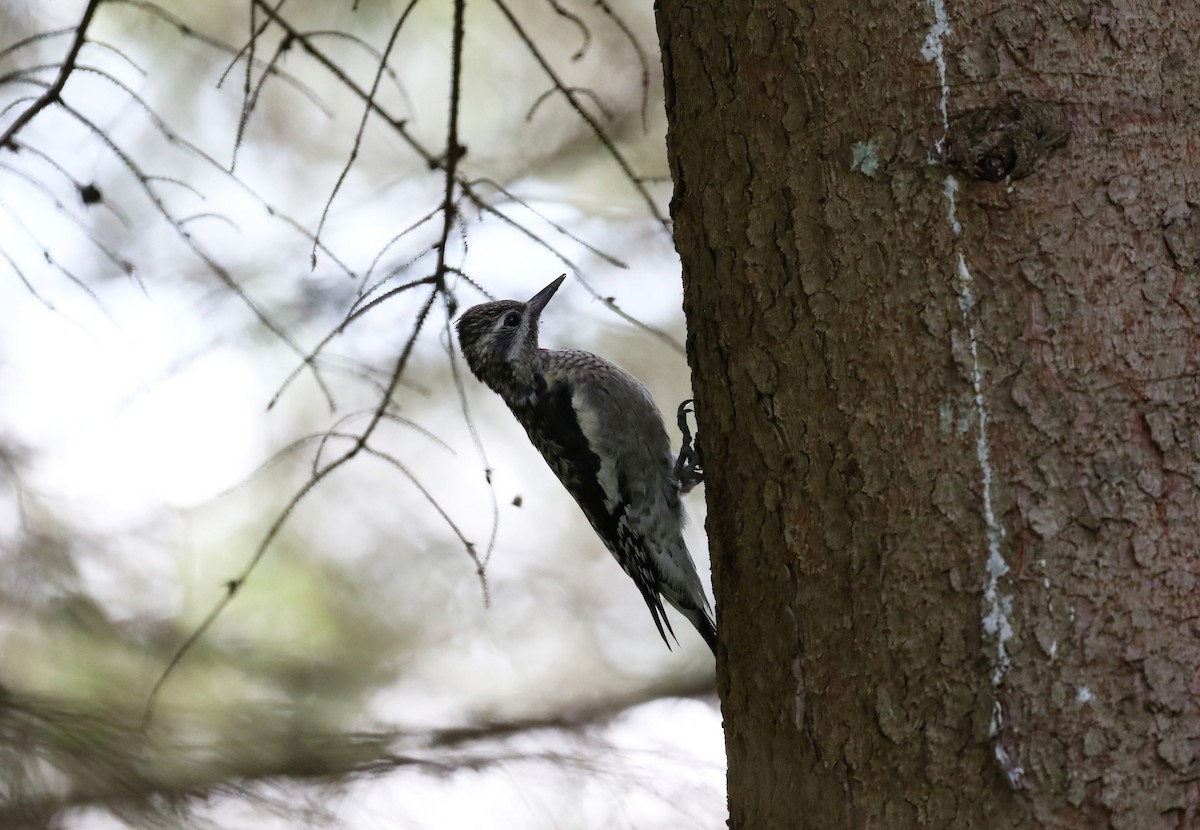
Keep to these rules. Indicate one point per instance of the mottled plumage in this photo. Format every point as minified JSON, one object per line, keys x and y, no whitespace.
{"x":600,"y":432}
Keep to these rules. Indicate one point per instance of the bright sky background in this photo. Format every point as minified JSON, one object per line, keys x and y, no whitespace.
{"x":140,"y":407}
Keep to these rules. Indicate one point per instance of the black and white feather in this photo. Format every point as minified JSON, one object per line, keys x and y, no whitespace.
{"x":600,"y":432}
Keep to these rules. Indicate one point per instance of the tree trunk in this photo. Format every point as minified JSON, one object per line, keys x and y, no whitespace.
{"x":941,"y":284}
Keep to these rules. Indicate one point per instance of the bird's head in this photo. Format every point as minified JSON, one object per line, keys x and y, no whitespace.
{"x":502,"y":337}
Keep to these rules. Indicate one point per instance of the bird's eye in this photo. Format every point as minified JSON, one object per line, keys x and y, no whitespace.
{"x":512,"y":320}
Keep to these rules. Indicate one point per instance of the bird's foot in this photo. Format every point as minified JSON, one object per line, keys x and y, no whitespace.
{"x":689,"y":467}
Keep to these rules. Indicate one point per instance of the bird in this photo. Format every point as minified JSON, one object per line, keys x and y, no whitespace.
{"x":602,"y":435}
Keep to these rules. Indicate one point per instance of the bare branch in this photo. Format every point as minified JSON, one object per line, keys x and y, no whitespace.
{"x":580,"y":716}
{"x":55,"y":264}
{"x":393,"y":241}
{"x":251,"y":95}
{"x":609,"y":302}
{"x":512,"y":197}
{"x":590,"y":94}
{"x":584,"y":31}
{"x":53,"y":94}
{"x":353,"y":434}
{"x":213,"y":266}
{"x":370,"y":50}
{"x":456,"y":376}
{"x":597,"y":130}
{"x":25,"y":281}
{"x":234,"y":585}
{"x":249,"y":100}
{"x":480,"y":565}
{"x":454,"y":150}
{"x":247,"y":48}
{"x":35,"y":38}
{"x":395,"y":123}
{"x":362,"y":125}
{"x":643,"y":61}
{"x":116,"y":757}
{"x":124,"y":265}
{"x":341,"y":327}
{"x":184,"y":29}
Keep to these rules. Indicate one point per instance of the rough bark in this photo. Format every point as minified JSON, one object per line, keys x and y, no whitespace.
{"x":942,"y":289}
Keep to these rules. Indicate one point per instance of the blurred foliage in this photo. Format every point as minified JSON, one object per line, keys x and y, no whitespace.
{"x":204,"y":311}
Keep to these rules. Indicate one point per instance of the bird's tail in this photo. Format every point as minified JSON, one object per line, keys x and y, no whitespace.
{"x":702,"y":619}
{"x":700,"y":616}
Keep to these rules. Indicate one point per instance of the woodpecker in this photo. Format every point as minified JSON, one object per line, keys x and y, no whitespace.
{"x":600,"y":432}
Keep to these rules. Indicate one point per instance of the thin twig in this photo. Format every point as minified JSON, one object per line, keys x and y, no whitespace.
{"x":341,"y":327}
{"x":641,"y":56}
{"x":574,"y":90}
{"x":58,"y":266}
{"x":480,"y":565}
{"x":362,"y":124}
{"x":512,"y":197}
{"x":393,"y":241}
{"x":248,"y":47}
{"x":609,"y":303}
{"x":320,"y":57}
{"x":584,"y":31}
{"x":370,"y":50}
{"x":597,"y":130}
{"x":35,"y":38}
{"x":187,"y":31}
{"x":53,"y":94}
{"x":234,"y":585}
{"x":212,"y":265}
{"x":456,"y":376}
{"x":124,"y":265}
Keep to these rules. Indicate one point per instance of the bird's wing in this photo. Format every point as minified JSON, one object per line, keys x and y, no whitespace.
{"x":618,"y":417}
{"x":572,"y":425}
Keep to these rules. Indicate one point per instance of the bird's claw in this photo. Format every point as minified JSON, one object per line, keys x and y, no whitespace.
{"x":689,"y":467}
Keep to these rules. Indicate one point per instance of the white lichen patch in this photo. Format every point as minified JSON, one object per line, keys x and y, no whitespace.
{"x":864,"y":157}
{"x":962,"y":283}
{"x":950,"y":191}
{"x":1014,"y":771}
{"x":997,"y":606}
{"x":934,"y":50}
{"x":955,"y":418}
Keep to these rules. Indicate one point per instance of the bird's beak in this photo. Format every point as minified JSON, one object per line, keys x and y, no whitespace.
{"x":542,"y":297}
